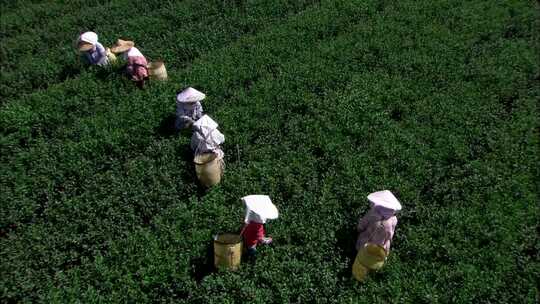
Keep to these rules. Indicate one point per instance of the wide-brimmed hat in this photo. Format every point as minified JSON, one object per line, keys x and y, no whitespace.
{"x":87,"y":41}
{"x":190,"y":95}
{"x":205,"y":122}
{"x":84,"y":46}
{"x":260,"y":205}
{"x":121,"y":46}
{"x":384,"y":199}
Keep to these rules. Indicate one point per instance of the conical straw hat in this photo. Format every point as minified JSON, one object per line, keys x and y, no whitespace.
{"x":85,"y":46}
{"x":89,"y":37}
{"x":206,"y":122}
{"x":86,"y":41}
{"x":190,"y":95}
{"x":122,"y":45}
{"x":262,"y":206}
{"x":385,"y":199}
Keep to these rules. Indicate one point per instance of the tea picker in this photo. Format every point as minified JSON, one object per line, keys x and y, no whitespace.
{"x":259,"y":209}
{"x":208,"y":159}
{"x":137,"y":66}
{"x":93,"y":51}
{"x":375,"y":233}
{"x":188,"y":108}
{"x":206,"y":137}
{"x":228,"y":246}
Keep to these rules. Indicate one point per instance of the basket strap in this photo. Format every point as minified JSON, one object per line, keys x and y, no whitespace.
{"x":199,"y":143}
{"x":380,"y":225}
{"x":209,"y":138}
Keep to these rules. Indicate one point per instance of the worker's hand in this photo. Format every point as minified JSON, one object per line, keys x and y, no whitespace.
{"x":266,"y":240}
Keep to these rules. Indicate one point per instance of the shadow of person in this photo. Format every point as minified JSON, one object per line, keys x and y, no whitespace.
{"x":106,"y":72}
{"x":186,"y":154}
{"x":69,"y":71}
{"x":345,"y":245}
{"x":166,"y":127}
{"x":203,"y":265}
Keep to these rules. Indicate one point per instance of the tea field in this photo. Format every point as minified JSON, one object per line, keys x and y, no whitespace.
{"x":321,"y":103}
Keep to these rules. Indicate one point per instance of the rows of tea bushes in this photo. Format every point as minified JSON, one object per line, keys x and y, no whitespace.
{"x":321,"y":103}
{"x":176,"y":32}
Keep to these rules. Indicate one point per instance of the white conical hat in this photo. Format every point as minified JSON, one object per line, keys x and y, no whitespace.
{"x":205,"y":122}
{"x":385,"y":199}
{"x":190,"y":95}
{"x":262,"y":206}
{"x":89,"y":37}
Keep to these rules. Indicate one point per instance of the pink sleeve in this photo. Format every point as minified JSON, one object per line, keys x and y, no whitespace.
{"x":137,"y":67}
{"x":389,"y":227}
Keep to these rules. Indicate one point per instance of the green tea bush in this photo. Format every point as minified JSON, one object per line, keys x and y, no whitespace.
{"x":321,"y":103}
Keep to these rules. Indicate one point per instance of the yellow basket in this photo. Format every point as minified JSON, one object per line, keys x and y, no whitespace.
{"x":209,"y":168}
{"x":372,"y":256}
{"x":359,"y":271}
{"x":369,"y":257}
{"x":227,"y":251}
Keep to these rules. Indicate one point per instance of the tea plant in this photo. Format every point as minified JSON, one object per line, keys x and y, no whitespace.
{"x":321,"y":103}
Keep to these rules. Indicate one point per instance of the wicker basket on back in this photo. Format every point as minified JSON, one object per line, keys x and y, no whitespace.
{"x":209,"y":168}
{"x":157,"y":71}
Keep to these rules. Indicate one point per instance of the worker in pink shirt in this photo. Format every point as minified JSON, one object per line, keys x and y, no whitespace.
{"x":259,"y":209}
{"x":375,"y":233}
{"x":137,"y":65}
{"x":379,"y":223}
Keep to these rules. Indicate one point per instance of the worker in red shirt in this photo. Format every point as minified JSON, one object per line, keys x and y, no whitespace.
{"x":259,"y":208}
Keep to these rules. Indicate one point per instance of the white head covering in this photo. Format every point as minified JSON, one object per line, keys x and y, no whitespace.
{"x":384,"y":199}
{"x":133,"y":52}
{"x":205,"y":122}
{"x":190,"y":95}
{"x":206,"y":136}
{"x":89,"y":37}
{"x":259,"y":208}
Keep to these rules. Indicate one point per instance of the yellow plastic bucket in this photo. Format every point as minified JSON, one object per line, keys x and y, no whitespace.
{"x":359,"y":271}
{"x":369,"y":257}
{"x":372,"y":256}
{"x":157,"y":71}
{"x":209,"y":168}
{"x":227,"y":251}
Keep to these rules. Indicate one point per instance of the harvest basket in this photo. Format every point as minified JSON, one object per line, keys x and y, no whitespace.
{"x":209,"y":168}
{"x":369,"y":257}
{"x":227,"y":251}
{"x":157,"y":70}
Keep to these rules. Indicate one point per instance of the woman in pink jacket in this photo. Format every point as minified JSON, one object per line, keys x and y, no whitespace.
{"x":378,"y":225}
{"x":137,"y":66}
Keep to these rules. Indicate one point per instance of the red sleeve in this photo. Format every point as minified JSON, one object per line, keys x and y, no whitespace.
{"x":243,"y":231}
